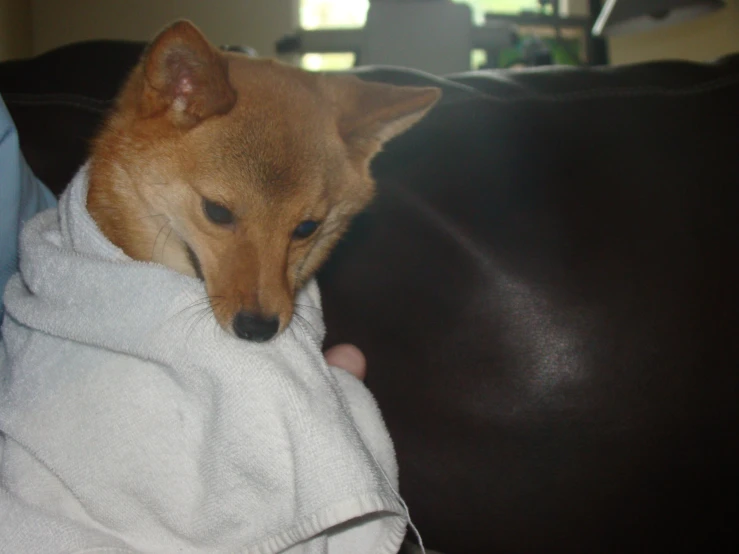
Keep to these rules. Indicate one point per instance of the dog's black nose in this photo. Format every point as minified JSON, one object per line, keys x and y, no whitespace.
{"x":256,"y":328}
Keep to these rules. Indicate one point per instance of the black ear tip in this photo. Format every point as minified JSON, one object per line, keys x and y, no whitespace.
{"x":181,"y":32}
{"x":438,"y":93}
{"x":430,"y":96}
{"x":180,"y":26}
{"x":426,"y":96}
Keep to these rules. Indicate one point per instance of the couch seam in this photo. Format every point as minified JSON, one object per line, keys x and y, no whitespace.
{"x":69,"y":100}
{"x":613,"y":92}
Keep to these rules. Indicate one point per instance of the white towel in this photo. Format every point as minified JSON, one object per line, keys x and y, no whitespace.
{"x":132,"y":422}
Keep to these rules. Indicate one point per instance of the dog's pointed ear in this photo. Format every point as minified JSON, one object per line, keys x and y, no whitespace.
{"x":185,"y":77}
{"x":373,"y":113}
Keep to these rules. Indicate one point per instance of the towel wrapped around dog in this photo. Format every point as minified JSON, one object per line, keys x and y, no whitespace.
{"x":131,"y":422}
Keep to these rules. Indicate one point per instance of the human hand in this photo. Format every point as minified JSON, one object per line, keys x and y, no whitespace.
{"x":349,"y":358}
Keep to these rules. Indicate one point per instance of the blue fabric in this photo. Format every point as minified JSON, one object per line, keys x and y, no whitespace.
{"x":22,"y":195}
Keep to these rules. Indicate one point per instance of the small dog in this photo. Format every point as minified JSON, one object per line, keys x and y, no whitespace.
{"x":243,"y":172}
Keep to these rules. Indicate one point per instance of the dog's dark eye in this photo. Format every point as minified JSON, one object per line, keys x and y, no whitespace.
{"x":305,"y":229}
{"x":217,"y":213}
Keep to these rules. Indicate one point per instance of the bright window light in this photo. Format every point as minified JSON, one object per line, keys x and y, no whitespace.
{"x":344,"y":14}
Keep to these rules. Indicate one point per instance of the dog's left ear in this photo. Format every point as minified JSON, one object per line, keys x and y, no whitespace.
{"x":373,"y":113}
{"x":185,"y":77}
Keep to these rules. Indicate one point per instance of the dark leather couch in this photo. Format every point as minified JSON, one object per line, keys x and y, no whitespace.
{"x":546,"y":290}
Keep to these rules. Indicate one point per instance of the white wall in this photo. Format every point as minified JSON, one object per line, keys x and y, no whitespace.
{"x":574,"y":7}
{"x":255,"y":23}
{"x":15,"y":29}
{"x":702,"y":39}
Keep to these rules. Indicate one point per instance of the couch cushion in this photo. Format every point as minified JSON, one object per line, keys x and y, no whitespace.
{"x":546,"y":293}
{"x":544,"y":289}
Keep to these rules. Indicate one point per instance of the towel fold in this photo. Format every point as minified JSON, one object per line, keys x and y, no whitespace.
{"x":132,"y":422}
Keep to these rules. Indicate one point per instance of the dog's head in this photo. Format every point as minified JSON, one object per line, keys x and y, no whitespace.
{"x":241,"y":171}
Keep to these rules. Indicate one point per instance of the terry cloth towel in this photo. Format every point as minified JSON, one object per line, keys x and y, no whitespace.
{"x":131,"y":422}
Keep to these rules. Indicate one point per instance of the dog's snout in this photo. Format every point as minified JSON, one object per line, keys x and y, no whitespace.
{"x":254,"y":327}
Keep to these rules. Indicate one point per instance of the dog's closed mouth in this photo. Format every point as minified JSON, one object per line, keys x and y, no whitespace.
{"x":195,"y":262}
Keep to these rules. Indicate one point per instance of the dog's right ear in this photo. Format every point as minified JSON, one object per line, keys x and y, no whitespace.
{"x":185,"y":77}
{"x":370,"y":113}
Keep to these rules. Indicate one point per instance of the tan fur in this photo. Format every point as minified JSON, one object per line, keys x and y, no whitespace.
{"x":274,"y":144}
